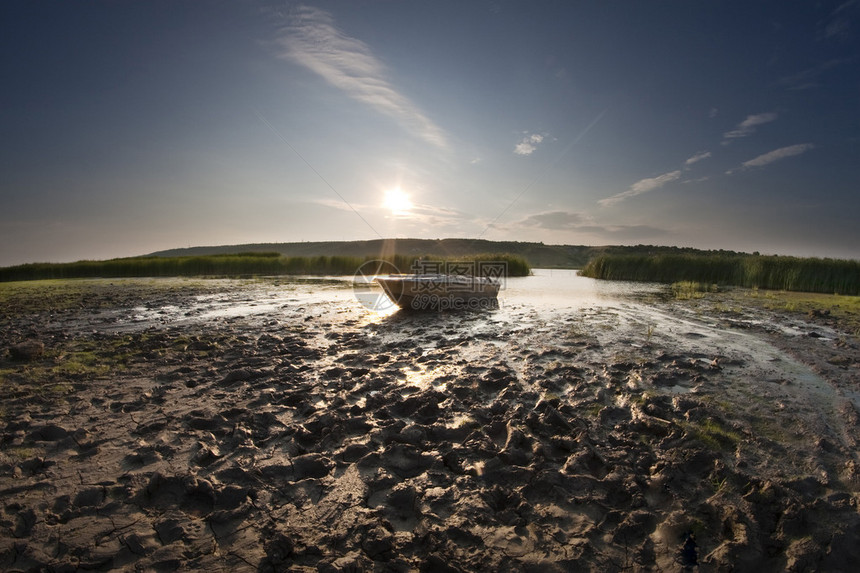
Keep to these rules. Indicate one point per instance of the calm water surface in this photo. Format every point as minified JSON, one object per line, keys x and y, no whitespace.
{"x":544,"y":294}
{"x":563,"y":288}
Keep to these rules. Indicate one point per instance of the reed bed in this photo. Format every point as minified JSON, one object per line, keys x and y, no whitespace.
{"x":753,"y":271}
{"x":234,"y":265}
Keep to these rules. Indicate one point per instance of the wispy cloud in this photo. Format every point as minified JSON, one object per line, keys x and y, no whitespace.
{"x":698,"y":157}
{"x":560,"y":224}
{"x":556,"y":220}
{"x":625,"y":232}
{"x":529,"y":144}
{"x":311,"y":39}
{"x":566,"y":223}
{"x":810,"y":78}
{"x":697,"y":180}
{"x":748,"y":126}
{"x":838,"y":25}
{"x":435,"y":216}
{"x":778,"y":154}
{"x":775,"y":155}
{"x":339,"y":205}
{"x":642,"y":186}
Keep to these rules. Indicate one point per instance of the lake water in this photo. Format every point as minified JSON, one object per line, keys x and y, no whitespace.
{"x":563,"y":288}
{"x":546,"y":292}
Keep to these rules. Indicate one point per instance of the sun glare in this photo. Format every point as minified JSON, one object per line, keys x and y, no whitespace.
{"x":397,"y":201}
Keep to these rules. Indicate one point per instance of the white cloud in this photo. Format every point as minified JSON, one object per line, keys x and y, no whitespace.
{"x":312,"y":40}
{"x":699,"y":180}
{"x":637,"y":233}
{"x":777,"y":154}
{"x":810,"y":78}
{"x":642,"y":186}
{"x":529,"y":144}
{"x":748,"y":126}
{"x":839,"y":25}
{"x":556,"y":220}
{"x":340,"y":205}
{"x":698,"y":157}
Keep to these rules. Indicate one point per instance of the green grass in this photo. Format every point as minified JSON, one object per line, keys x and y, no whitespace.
{"x":21,"y":453}
{"x":844,"y":311}
{"x":753,"y":271}
{"x":238,"y":265}
{"x":595,"y":409}
{"x":688,"y":290}
{"x":82,"y":363}
{"x":713,"y":435}
{"x":56,"y":295}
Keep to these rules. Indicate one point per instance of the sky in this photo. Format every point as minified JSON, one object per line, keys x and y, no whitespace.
{"x":131,"y":126}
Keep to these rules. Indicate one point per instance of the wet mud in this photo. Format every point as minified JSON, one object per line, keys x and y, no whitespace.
{"x":270,"y":426}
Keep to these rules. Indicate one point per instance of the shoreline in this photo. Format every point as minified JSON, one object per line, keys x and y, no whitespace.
{"x":310,"y":435}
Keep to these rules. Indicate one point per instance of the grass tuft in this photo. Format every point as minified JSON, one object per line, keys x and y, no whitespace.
{"x":688,"y":290}
{"x":714,"y":435}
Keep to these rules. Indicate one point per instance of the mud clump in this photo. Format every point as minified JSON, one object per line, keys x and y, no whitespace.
{"x":27,"y":350}
{"x":314,"y":437}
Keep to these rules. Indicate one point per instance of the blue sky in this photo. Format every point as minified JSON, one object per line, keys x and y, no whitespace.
{"x":129,"y":127}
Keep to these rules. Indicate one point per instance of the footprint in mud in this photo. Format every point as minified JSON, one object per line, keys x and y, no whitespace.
{"x":207,"y":421}
{"x":194,"y":495}
{"x":143,"y":455}
{"x":688,"y":557}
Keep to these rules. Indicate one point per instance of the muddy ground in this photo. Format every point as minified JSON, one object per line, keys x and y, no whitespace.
{"x":275,"y":426}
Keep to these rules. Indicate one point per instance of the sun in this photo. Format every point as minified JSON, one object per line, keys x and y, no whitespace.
{"x":397,"y":201}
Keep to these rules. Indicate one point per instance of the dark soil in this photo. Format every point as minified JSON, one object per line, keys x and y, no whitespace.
{"x":148,"y":433}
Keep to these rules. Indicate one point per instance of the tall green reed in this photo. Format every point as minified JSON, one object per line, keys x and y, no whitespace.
{"x":754,"y":271}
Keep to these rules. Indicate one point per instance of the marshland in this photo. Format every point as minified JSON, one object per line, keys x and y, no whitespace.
{"x":264,"y":263}
{"x":275,"y":423}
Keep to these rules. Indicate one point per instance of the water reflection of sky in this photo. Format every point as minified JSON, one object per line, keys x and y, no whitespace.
{"x":524,"y":299}
{"x":564,"y":288}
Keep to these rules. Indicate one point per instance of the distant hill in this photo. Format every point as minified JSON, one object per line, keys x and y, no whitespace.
{"x":538,"y":255}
